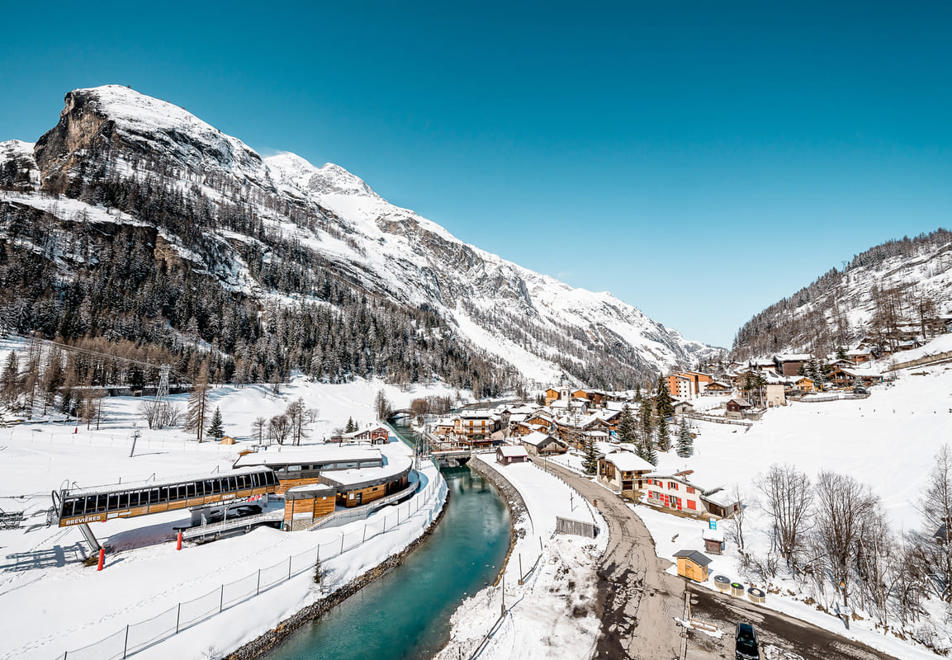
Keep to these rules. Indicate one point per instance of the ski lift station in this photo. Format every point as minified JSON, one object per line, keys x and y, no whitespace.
{"x":291,"y":488}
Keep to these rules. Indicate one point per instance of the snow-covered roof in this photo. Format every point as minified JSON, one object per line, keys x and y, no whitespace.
{"x":512,"y":451}
{"x":476,"y":414}
{"x":794,"y":357}
{"x":308,"y":490}
{"x":693,"y":555}
{"x":353,"y":477}
{"x":536,"y":438}
{"x":627,"y":461}
{"x":712,"y":535}
{"x":309,"y":454}
{"x":719,"y":496}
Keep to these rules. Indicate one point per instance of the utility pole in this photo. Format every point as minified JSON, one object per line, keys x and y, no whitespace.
{"x":135,"y":437}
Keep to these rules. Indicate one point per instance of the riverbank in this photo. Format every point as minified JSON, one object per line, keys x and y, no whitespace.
{"x":547,"y":589}
{"x":274,"y":637}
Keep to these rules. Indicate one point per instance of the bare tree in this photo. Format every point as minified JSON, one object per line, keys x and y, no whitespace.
{"x":936,"y":508}
{"x":788,"y":496}
{"x":300,"y":418}
{"x":257,"y":428}
{"x":842,"y":509}
{"x":161,"y":414}
{"x":735,"y":530}
{"x":279,"y":428}
{"x":382,"y":406}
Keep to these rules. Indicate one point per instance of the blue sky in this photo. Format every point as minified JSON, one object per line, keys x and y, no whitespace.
{"x":700,"y":160}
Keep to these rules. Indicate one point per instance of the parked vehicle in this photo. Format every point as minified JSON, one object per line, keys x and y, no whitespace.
{"x":746,"y":647}
{"x":860,"y":390}
{"x":235,"y":512}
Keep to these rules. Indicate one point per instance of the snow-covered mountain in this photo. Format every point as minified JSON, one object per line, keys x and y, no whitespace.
{"x":111,"y":137}
{"x":899,"y":284}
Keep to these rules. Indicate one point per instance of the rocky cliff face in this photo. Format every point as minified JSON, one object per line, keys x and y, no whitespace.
{"x":122,"y":157}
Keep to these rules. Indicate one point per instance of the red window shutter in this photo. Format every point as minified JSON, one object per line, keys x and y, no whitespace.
{"x":692,"y":505}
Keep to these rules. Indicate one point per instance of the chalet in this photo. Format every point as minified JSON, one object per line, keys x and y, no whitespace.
{"x":444,"y":427}
{"x":859,"y":355}
{"x":762,"y":366}
{"x":541,"y":419}
{"x":681,"y":407}
{"x":736,"y":407}
{"x":623,"y":471}
{"x":678,"y":493}
{"x":375,"y":435}
{"x":551,"y":395}
{"x":595,"y":398}
{"x":805,"y":384}
{"x":507,"y":454}
{"x":542,"y":444}
{"x":476,"y":424}
{"x":692,"y":565}
{"x":717,"y":387}
{"x":719,"y":502}
{"x":790,"y":364}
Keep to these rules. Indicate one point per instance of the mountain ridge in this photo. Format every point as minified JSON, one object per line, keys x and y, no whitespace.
{"x":110,"y":138}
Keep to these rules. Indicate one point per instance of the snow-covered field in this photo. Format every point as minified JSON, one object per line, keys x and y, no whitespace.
{"x":887,"y":442}
{"x":552,"y":614}
{"x":52,"y":603}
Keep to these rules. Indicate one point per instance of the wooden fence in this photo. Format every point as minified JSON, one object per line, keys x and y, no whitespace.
{"x":576,"y":527}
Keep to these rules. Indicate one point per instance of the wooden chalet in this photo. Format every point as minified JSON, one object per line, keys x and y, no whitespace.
{"x":805,"y":384}
{"x":717,"y":387}
{"x":736,"y":407}
{"x":791,"y":364}
{"x":542,"y":444}
{"x":623,"y":472}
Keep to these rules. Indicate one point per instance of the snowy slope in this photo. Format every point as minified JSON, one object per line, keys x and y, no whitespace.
{"x":538,"y":324}
{"x":838,"y":308}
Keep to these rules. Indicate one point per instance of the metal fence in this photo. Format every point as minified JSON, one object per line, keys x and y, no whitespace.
{"x":136,"y":637}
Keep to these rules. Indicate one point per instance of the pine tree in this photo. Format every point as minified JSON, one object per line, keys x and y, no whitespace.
{"x":647,"y":451}
{"x":664,"y":437}
{"x":626,"y":426}
{"x":351,"y":426}
{"x":685,"y":447}
{"x":198,"y":404}
{"x":10,"y":379}
{"x":590,"y":462}
{"x":663,"y":403}
{"x":647,"y":425}
{"x":216,"y":430}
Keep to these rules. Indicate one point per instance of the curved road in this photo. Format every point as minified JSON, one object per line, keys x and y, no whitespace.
{"x":639,"y":601}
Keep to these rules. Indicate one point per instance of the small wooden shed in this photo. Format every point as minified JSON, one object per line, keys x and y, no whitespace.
{"x":507,"y":454}
{"x":692,"y":565}
{"x":713,"y":541}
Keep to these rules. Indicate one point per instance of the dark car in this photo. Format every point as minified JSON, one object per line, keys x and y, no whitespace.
{"x":235,"y":512}
{"x":746,"y":647}
{"x":860,"y":390}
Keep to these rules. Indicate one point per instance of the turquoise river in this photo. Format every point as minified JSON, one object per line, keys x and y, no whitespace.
{"x":406,"y":612}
